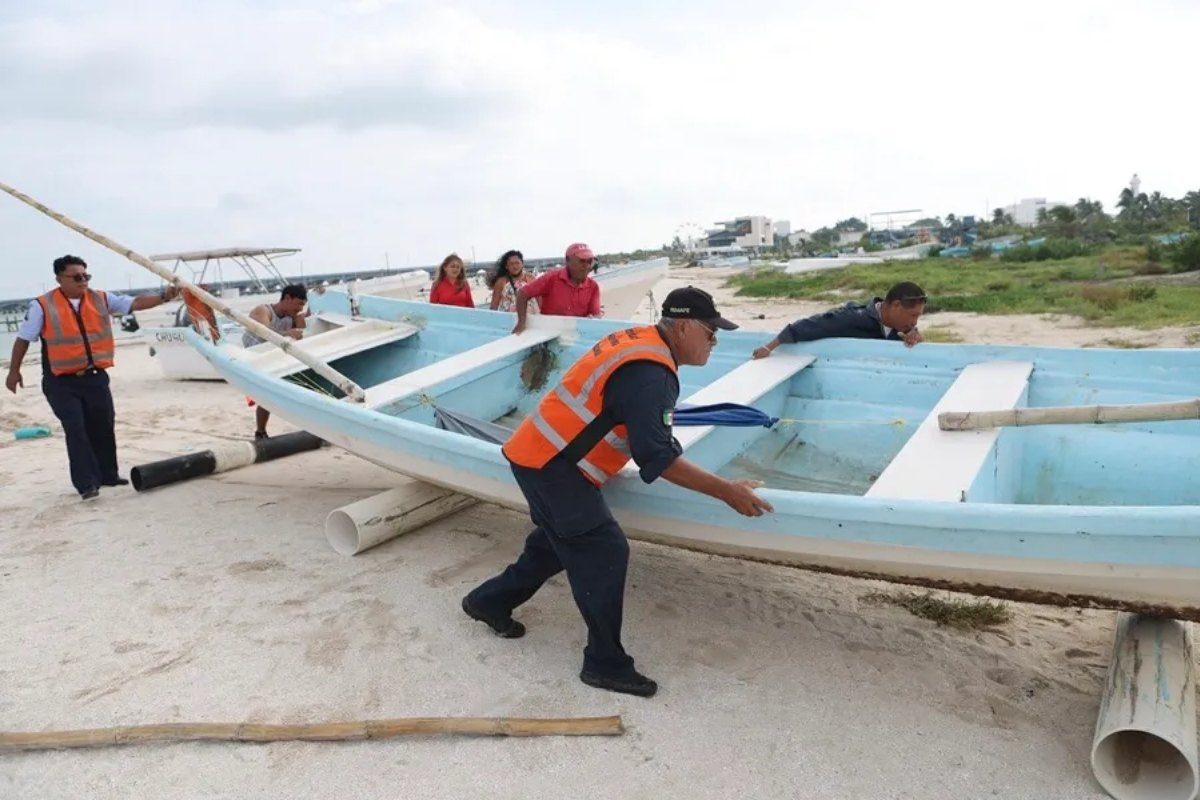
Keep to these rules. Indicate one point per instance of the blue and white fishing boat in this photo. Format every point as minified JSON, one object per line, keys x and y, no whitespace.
{"x":863,"y":478}
{"x":623,"y":288}
{"x":905,"y":465}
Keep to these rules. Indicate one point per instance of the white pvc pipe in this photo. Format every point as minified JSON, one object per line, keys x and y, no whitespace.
{"x":1144,"y":747}
{"x":360,"y":526}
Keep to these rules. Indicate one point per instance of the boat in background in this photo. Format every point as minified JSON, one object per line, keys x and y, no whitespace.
{"x":862,"y":478}
{"x":724,"y":261}
{"x":623,"y":288}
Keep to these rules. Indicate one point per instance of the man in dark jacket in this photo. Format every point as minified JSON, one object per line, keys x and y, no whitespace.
{"x":892,"y":317}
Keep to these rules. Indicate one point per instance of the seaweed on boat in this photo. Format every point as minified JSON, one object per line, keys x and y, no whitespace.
{"x":537,"y":366}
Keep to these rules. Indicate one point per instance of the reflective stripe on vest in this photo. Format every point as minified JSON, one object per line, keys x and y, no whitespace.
{"x":65,"y":346}
{"x":578,"y":399}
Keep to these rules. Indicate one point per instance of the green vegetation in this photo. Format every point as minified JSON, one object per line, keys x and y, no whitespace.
{"x":1049,"y":250}
{"x":1185,"y":254}
{"x":1096,"y":287}
{"x":952,"y":611}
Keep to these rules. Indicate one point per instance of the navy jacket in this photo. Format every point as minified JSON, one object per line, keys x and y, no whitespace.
{"x":851,"y":321}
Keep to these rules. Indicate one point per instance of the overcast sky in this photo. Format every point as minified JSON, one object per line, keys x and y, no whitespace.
{"x":357,"y":128}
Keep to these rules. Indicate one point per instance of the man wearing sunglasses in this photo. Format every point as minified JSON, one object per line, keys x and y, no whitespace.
{"x":615,"y":403}
{"x":74,"y":324}
{"x":893,"y":317}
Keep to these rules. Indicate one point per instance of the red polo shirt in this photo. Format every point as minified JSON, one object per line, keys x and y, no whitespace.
{"x":556,"y":295}
{"x":448,"y":294}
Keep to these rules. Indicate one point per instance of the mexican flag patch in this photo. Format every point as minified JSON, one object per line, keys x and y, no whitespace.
{"x":669,"y":417}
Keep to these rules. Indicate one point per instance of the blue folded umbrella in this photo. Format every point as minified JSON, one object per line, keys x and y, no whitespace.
{"x":723,"y":414}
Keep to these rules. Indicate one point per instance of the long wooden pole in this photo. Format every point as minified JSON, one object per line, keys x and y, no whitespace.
{"x":318,"y":732}
{"x":347,"y":386}
{"x":1069,"y":415}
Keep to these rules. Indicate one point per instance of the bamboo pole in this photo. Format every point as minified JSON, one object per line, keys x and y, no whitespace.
{"x":347,"y":386}
{"x":1069,"y":415}
{"x":317,"y":732}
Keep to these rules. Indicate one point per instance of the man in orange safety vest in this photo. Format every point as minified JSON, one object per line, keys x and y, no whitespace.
{"x":74,"y":324}
{"x":614,"y":404}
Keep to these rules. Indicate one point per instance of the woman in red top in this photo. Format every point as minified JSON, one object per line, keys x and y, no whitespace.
{"x":450,"y":287}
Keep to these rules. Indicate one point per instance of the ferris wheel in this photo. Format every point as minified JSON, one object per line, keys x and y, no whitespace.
{"x":692,"y":235}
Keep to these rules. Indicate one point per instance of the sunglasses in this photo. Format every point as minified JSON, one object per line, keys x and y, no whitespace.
{"x":712,"y":332}
{"x":81,"y":277}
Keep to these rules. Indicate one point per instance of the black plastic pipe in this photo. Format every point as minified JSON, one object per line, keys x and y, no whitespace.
{"x":221,"y":459}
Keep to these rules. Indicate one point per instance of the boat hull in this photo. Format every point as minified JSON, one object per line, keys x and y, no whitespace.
{"x":1143,"y":558}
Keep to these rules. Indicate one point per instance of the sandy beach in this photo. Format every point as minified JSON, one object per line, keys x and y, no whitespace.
{"x":219,"y":599}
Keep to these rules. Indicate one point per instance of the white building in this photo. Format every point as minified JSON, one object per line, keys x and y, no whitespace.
{"x":782,"y":227}
{"x":740,"y":233}
{"x":1026,"y":211}
{"x":849,"y":238}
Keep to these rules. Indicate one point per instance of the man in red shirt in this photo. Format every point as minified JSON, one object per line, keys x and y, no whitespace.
{"x":563,"y":292}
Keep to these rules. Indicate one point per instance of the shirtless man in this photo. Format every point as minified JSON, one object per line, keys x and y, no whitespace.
{"x":286,"y":318}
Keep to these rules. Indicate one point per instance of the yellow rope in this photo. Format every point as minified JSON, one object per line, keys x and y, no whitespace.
{"x":303,"y":380}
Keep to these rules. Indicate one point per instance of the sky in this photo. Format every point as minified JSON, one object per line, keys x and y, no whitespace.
{"x":365,"y":130}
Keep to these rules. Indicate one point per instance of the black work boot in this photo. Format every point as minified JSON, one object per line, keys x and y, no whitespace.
{"x":632,"y":682}
{"x":504,"y":628}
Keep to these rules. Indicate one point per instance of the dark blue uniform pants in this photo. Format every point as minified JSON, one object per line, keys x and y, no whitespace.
{"x":84,"y":406}
{"x":576,"y":532}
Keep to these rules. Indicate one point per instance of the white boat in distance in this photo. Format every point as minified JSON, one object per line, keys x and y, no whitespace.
{"x":623,"y":287}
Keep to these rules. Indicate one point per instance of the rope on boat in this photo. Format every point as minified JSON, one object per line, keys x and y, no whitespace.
{"x":788,"y":421}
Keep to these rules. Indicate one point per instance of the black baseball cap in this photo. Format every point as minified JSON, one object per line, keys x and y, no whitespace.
{"x":692,"y":303}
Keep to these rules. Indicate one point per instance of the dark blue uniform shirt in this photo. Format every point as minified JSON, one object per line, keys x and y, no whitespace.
{"x":851,"y":321}
{"x":641,"y":396}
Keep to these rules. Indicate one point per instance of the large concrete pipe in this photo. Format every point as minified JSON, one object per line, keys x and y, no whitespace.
{"x":1144,"y":747}
{"x":359,"y":526}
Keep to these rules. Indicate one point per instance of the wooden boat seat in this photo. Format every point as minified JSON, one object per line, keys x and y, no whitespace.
{"x":328,"y":345}
{"x":942,"y":465}
{"x":744,"y":384}
{"x":421,"y":379}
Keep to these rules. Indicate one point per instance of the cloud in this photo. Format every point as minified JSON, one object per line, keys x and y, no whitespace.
{"x":402,"y":126}
{"x":180,"y":67}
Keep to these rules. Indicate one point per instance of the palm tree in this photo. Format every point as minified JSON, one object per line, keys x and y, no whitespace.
{"x":1157,"y":206}
{"x":1191,"y":204}
{"x":1062,"y":215}
{"x":1087,"y":210}
{"x":1134,"y":209}
{"x":1126,"y":203}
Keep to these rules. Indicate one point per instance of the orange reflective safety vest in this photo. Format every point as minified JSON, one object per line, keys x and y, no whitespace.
{"x":76,"y":340}
{"x":578,"y":399}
